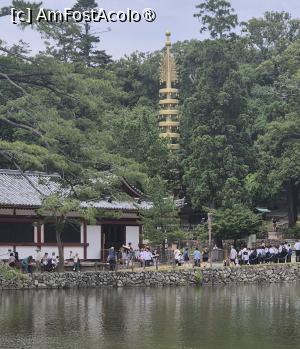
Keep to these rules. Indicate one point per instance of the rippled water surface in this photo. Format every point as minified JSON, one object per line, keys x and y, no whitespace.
{"x":259,"y":317}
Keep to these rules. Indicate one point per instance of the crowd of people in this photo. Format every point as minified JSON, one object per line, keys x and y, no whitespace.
{"x":145,"y":257}
{"x":184,"y":257}
{"x":127,"y":256}
{"x":281,"y":253}
{"x":41,"y":262}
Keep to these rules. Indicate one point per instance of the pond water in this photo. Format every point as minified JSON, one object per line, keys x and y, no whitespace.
{"x":207,"y":318}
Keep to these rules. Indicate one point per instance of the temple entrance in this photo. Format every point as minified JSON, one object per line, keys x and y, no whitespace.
{"x":112,"y":235}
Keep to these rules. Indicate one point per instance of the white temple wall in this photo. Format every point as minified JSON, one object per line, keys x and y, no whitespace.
{"x":74,"y":249}
{"x":94,"y":241}
{"x":25,"y":251}
{"x":132,"y":235}
{"x":4,"y":254}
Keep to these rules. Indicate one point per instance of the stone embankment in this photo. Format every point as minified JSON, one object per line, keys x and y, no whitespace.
{"x":227,"y":275}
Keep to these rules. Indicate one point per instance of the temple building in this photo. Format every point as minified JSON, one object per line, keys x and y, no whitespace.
{"x":23,"y":229}
{"x":168,"y":93}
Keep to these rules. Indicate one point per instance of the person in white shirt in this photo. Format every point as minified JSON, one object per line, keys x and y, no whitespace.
{"x":11,"y":260}
{"x":180,"y":259}
{"x":38,"y":259}
{"x":142,"y":257}
{"x":53,"y":261}
{"x":76,"y":266}
{"x":297,"y":249}
{"x":176,"y":256}
{"x":263,"y":252}
{"x":245,"y":255}
{"x":274,"y":253}
{"x":232,"y":254}
{"x":71,"y":256}
{"x":147,"y":257}
{"x":124,"y":258}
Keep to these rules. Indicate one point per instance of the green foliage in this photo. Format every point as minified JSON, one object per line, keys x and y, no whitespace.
{"x":293,"y":233}
{"x":218,"y":152}
{"x":235,"y":222}
{"x":87,"y":40}
{"x":137,"y":137}
{"x":201,"y":232}
{"x":12,"y":274}
{"x":161,"y":220}
{"x":274,"y":32}
{"x":198,"y":277}
{"x":138,"y":75}
{"x":70,"y":110}
{"x":216,"y":16}
{"x":278,"y":146}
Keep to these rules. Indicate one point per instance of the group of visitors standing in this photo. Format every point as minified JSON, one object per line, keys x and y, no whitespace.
{"x":183,"y":257}
{"x":281,"y":253}
{"x":127,"y":255}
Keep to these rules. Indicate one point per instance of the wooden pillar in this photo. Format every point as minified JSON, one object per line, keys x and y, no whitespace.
{"x":39,"y":233}
{"x":42,"y":233}
{"x":140,"y":235}
{"x":85,"y":240}
{"x":102,"y":244}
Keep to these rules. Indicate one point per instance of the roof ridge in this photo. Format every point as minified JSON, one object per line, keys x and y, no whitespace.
{"x":28,"y":173}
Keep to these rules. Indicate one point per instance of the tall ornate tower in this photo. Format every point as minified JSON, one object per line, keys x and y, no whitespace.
{"x":168,"y":93}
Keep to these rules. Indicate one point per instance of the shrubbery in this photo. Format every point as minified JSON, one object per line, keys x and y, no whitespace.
{"x":9,"y":273}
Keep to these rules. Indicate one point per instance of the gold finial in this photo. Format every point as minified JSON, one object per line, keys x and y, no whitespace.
{"x":168,"y":72}
{"x":168,"y":42}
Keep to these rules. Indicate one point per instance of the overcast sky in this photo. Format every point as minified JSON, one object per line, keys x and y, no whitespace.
{"x":173,"y":15}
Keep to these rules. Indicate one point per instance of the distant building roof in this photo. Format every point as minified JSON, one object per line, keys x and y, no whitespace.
{"x":118,"y":205}
{"x":27,"y":191}
{"x":16,"y":190}
{"x":262,"y":209}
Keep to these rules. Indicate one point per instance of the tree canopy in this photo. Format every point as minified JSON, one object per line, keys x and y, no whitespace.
{"x":71,"y":109}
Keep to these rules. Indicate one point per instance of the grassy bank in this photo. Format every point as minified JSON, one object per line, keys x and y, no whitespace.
{"x":8,"y":274}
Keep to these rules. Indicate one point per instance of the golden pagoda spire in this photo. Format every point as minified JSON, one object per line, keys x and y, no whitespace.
{"x":168,"y":113}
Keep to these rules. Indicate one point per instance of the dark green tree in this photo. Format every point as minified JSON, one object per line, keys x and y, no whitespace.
{"x":137,"y":137}
{"x":217,"y":17}
{"x":235,"y":222}
{"x":216,"y":145}
{"x":278,"y":139}
{"x":161,"y":220}
{"x":138,"y":75}
{"x":272,"y":33}
{"x":89,"y":39}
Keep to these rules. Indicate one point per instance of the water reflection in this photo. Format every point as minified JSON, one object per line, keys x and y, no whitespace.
{"x":226,"y":317}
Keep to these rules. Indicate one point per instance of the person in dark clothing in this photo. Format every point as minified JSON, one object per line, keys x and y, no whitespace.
{"x":186,"y":257}
{"x":282,"y":253}
{"x":289,"y":254}
{"x":112,"y":259}
{"x":205,"y":256}
{"x":27,"y":265}
{"x":253,"y":258}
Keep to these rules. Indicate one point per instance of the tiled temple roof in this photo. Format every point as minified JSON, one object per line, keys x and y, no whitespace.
{"x":16,"y":190}
{"x":118,"y":205}
{"x":27,"y":191}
